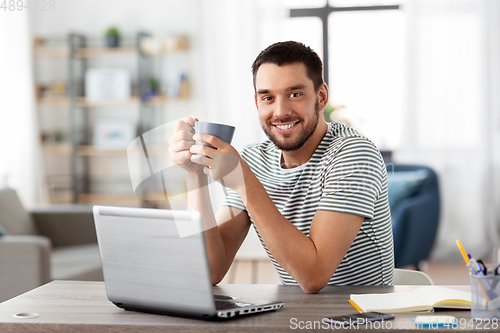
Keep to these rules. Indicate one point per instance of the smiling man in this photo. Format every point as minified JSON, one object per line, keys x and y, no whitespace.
{"x":315,"y":192}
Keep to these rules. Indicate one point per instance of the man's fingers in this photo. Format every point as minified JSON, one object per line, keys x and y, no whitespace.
{"x":185,"y":125}
{"x":181,"y":136}
{"x":183,"y":145}
{"x":199,"y":159}
{"x":202,"y":150}
{"x":182,"y":156}
{"x":191,"y":120}
{"x":210,"y":139}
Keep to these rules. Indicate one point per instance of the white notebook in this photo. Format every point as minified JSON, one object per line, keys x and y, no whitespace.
{"x":423,"y":299}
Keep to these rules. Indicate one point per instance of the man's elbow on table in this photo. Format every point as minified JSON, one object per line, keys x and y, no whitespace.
{"x":216,"y":278}
{"x":313,"y":285}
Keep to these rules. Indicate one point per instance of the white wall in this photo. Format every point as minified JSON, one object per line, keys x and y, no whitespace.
{"x":94,"y":16}
{"x":18,"y":139}
{"x":451,"y":116}
{"x":491,"y":12}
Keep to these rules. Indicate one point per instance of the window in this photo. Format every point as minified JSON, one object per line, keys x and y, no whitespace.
{"x":366,"y":64}
{"x":366,"y":72}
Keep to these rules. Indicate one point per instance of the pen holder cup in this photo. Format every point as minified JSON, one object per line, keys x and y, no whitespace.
{"x":485,"y":296}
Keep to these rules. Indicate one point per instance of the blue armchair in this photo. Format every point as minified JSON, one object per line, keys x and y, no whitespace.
{"x":415,"y":209}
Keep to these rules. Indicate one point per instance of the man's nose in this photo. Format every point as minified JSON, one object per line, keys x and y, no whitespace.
{"x":283,"y":109}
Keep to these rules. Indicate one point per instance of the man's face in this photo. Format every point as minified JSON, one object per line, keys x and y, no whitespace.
{"x":287,"y":103}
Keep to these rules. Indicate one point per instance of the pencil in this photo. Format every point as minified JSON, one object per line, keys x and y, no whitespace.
{"x":485,"y":294}
{"x":464,"y":254}
{"x":355,"y":306}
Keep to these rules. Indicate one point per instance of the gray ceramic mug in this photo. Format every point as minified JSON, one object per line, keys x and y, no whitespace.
{"x":223,"y":132}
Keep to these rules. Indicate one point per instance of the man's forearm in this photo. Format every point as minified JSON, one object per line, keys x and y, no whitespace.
{"x":294,"y":251}
{"x":199,"y":200}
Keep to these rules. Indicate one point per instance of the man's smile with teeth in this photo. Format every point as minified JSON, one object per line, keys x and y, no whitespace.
{"x":287,"y":126}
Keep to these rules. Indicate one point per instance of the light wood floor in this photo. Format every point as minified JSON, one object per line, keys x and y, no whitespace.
{"x":263,"y":272}
{"x":444,"y":274}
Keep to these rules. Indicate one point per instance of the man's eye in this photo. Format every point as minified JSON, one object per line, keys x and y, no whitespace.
{"x":267,"y":98}
{"x":296,"y":94}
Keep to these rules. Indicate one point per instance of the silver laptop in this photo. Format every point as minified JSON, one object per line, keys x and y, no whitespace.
{"x":156,"y":261}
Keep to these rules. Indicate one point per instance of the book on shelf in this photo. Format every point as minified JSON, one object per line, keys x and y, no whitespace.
{"x":423,"y":299}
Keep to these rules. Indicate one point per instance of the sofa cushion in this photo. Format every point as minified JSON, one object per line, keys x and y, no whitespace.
{"x":403,"y":184}
{"x":14,"y":219}
{"x":24,"y":264}
{"x":65,"y":225}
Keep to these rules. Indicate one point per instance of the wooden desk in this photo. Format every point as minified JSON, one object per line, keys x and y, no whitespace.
{"x":73,"y":306}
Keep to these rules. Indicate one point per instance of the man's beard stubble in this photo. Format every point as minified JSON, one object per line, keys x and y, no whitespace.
{"x":304,"y":134}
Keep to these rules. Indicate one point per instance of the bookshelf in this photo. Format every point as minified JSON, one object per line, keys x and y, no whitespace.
{"x":72,"y":160}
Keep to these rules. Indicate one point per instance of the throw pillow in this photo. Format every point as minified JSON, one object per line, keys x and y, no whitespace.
{"x":403,"y":184}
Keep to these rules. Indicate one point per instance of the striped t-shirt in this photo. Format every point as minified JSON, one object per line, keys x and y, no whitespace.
{"x":346,"y":174}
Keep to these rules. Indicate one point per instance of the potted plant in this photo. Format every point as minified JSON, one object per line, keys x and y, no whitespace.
{"x":112,"y":37}
{"x":58,"y":135}
{"x":154,"y":89}
{"x":329,"y":109}
{"x":154,"y":85}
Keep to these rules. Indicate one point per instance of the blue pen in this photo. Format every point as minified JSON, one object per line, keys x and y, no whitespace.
{"x":479,"y":271}
{"x":475,"y":266}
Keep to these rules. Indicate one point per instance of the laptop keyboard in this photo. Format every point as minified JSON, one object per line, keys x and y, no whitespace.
{"x":223,"y":305}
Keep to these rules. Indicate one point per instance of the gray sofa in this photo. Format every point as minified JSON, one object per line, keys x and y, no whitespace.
{"x":53,"y":242}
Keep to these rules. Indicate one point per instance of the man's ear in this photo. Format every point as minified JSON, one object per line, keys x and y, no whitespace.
{"x":323,"y":96}
{"x":255,"y":99}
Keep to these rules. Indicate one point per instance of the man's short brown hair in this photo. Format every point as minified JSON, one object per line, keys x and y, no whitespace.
{"x":285,"y":53}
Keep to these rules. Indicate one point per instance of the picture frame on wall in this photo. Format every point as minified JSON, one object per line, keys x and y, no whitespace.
{"x":107,"y":84}
{"x":109,"y":134}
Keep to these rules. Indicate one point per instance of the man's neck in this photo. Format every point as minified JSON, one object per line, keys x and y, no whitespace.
{"x":294,"y":158}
